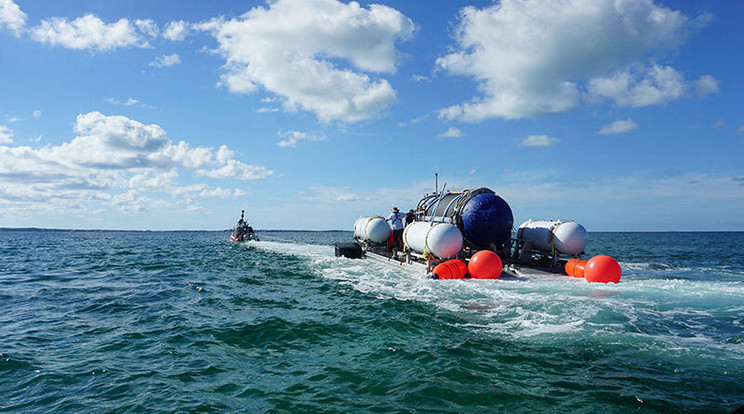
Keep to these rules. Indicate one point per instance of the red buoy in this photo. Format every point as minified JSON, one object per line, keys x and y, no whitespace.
{"x":603,"y":269}
{"x":485,"y":265}
{"x":451,"y":269}
{"x":575,"y":267}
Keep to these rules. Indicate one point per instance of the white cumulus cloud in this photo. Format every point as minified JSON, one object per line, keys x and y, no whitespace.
{"x":176,"y":31}
{"x":90,"y":32}
{"x":328,"y":194}
{"x":6,"y":135}
{"x":314,"y":53}
{"x":153,"y":181}
{"x":236,"y":169}
{"x":266,"y":110}
{"x":452,"y":132}
{"x":113,"y":160}
{"x":128,"y":102}
{"x":291,"y":138}
{"x":656,"y":85}
{"x":166,"y":61}
{"x":618,"y":127}
{"x":539,"y":141}
{"x":706,"y":85}
{"x":131,"y":202}
{"x":220,"y":192}
{"x":148,"y":27}
{"x":12,"y":17}
{"x":532,"y":58}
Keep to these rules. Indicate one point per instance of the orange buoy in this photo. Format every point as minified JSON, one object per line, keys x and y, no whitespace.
{"x":603,"y":269}
{"x":580,"y":268}
{"x":485,"y":264}
{"x":576,"y":267}
{"x":451,"y":269}
{"x":570,"y":266}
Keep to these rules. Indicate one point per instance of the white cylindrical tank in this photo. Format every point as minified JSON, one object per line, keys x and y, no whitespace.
{"x":442,"y":240}
{"x":373,"y":229}
{"x":568,"y":237}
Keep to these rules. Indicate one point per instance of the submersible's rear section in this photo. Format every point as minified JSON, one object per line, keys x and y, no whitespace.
{"x":484,"y":219}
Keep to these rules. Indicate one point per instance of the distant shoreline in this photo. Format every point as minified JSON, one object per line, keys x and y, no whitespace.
{"x":37,"y":229}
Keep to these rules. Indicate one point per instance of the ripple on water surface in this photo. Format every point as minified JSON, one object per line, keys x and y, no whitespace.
{"x":163,"y":322}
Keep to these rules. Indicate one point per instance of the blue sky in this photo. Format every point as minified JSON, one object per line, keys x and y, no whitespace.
{"x":619,"y":114}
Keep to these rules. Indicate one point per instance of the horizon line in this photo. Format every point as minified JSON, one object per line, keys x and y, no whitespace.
{"x":326,"y":230}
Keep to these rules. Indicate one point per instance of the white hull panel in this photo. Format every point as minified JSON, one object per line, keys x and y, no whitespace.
{"x":442,"y":240}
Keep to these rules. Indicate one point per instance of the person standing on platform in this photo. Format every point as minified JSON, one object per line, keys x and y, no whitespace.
{"x":395,"y":219}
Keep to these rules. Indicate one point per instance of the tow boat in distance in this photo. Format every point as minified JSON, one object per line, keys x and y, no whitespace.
{"x":461,"y":234}
{"x":243,"y":230}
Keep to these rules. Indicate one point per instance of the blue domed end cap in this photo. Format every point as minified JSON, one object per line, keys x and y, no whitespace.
{"x":487,"y":219}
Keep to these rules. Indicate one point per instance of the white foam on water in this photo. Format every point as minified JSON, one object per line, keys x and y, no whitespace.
{"x":294,"y":249}
{"x":552,"y":307}
{"x":636,"y":270}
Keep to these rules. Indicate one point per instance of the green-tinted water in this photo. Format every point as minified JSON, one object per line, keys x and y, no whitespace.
{"x":177,"y":322}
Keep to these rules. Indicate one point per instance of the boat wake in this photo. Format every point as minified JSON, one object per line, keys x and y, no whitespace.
{"x":659,"y":314}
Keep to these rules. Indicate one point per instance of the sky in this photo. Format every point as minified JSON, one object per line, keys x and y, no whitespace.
{"x":624,"y":115}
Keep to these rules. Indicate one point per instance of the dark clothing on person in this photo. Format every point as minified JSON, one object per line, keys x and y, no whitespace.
{"x":410,"y":217}
{"x":398,"y":239}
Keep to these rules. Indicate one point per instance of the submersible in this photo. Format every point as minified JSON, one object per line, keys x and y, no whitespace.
{"x":468,"y":234}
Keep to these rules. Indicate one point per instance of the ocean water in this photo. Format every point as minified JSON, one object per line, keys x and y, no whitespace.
{"x":152,"y":322}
